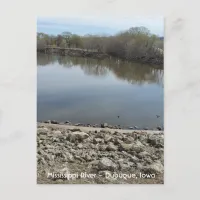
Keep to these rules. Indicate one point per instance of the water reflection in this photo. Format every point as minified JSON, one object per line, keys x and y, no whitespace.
{"x":134,"y":73}
{"x":84,"y":90}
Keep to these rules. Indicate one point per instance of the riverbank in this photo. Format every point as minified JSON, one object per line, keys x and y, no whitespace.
{"x":103,"y":125}
{"x":98,"y":155}
{"x":155,"y":60}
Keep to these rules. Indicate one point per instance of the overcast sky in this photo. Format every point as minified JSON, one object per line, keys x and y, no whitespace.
{"x":96,"y":25}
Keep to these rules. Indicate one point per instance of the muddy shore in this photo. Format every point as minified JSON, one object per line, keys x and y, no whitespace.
{"x":88,"y":155}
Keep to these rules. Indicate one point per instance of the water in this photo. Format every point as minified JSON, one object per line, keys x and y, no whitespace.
{"x":83,"y":90}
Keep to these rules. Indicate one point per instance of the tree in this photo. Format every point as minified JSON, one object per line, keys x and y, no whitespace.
{"x":76,"y":41}
{"x":67,"y":36}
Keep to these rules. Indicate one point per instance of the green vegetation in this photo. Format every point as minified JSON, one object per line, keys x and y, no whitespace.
{"x":131,"y":44}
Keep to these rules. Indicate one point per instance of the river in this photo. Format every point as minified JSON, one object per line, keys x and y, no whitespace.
{"x":84,"y":90}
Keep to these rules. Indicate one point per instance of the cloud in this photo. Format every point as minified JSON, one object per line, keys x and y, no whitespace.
{"x":95,"y":25}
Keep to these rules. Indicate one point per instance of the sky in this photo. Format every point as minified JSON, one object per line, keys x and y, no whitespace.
{"x":98,"y":25}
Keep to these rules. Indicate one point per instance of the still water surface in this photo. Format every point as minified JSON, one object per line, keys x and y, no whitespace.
{"x":83,"y":90}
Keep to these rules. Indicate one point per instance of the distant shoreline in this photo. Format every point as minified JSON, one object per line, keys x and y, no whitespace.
{"x":100,"y":126}
{"x":77,"y":52}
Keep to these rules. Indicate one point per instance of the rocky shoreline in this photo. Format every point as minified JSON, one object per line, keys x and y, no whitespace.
{"x":103,"y":125}
{"x":69,"y":154}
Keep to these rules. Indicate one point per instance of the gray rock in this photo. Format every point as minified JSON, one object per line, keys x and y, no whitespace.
{"x":54,"y":139}
{"x":78,"y":136}
{"x":79,"y":158}
{"x":128,"y":140}
{"x":139,"y":166}
{"x":125,"y":147}
{"x":138,"y":147}
{"x":111,"y":147}
{"x":102,"y":147}
{"x":78,"y":124}
{"x":159,"y":128}
{"x":130,"y":127}
{"x":43,"y":137}
{"x":134,"y":159}
{"x":107,"y":138}
{"x":156,"y":140}
{"x":42,"y":131}
{"x":80,"y":146}
{"x":97,"y":140}
{"x":155,"y":167}
{"x":117,"y":141}
{"x":104,"y":125}
{"x":54,"y":122}
{"x":136,"y":127}
{"x":75,"y":130}
{"x":148,"y":160}
{"x":106,"y":164}
{"x":143,"y":154}
{"x":88,"y":157}
{"x":57,"y":133}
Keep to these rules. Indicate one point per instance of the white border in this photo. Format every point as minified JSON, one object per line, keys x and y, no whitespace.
{"x":18,"y":98}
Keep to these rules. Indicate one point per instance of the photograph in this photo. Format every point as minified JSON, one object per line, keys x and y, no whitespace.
{"x":100,"y":100}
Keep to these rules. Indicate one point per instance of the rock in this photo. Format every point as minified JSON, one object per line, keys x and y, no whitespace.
{"x":55,"y":139}
{"x":136,"y":127}
{"x":146,"y":128}
{"x":54,"y":122}
{"x":57,"y":133}
{"x":117,"y":141}
{"x":78,"y":124}
{"x":42,"y":131}
{"x":79,"y":158}
{"x":128,"y":140}
{"x":78,"y":136}
{"x":124,"y":165}
{"x":107,"y":138}
{"x":155,"y":167}
{"x":130,"y":127}
{"x":102,"y":147}
{"x":80,"y":146}
{"x":148,"y":160}
{"x":88,"y":158}
{"x":106,"y":164}
{"x":152,"y":139}
{"x":104,"y":125}
{"x":97,"y":140}
{"x":75,"y":130}
{"x":156,"y":140}
{"x":159,"y":128}
{"x":111,"y":147}
{"x":47,"y":122}
{"x":42,"y":137}
{"x":125,"y":147}
{"x":134,"y":159}
{"x":139,"y":166}
{"x":143,"y":154}
{"x":67,"y":122}
{"x":138,"y":147}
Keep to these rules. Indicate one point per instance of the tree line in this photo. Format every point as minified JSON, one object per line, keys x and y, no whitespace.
{"x":136,"y":42}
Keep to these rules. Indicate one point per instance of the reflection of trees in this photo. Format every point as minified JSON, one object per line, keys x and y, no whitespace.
{"x":45,"y":59}
{"x":131,"y":72}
